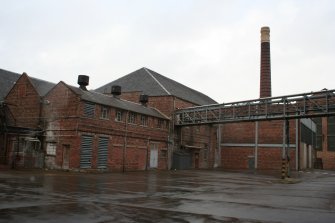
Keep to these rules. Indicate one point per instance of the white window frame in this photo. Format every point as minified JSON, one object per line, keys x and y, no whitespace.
{"x":51,"y":149}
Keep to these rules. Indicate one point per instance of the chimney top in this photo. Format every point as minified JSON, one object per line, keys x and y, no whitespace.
{"x":116,"y":90}
{"x":265,"y":34}
{"x":83,"y":81}
{"x":144,"y":99}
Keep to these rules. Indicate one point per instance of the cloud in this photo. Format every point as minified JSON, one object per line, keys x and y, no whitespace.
{"x":211,"y":46}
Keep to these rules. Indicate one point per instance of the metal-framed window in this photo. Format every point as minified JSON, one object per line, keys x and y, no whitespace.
{"x":118,"y":116}
{"x":104,"y":112}
{"x":144,"y":120}
{"x":132,"y":118}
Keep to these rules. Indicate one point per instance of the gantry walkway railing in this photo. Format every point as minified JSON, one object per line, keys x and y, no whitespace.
{"x":306,"y":105}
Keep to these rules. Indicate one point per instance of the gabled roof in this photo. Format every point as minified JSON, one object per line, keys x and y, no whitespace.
{"x":8,"y":79}
{"x":109,"y":100}
{"x":154,"y":84}
{"x":42,"y":87}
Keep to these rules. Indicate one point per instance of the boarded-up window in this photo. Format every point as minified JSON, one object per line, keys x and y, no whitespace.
{"x":89,"y":110}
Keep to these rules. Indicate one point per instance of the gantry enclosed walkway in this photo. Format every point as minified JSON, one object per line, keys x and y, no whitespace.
{"x":306,"y":105}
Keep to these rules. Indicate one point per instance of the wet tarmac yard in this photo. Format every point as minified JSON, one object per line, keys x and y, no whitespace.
{"x":165,"y":196}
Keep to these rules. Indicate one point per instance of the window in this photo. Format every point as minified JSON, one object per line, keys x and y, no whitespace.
{"x":331,"y":133}
{"x":51,"y":148}
{"x":104,"y":112}
{"x":144,"y":120}
{"x":160,"y":123}
{"x":118,"y":116}
{"x":89,"y":110}
{"x":205,"y":154}
{"x":132,"y":117}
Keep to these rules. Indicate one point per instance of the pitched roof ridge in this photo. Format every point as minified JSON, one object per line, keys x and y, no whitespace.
{"x":38,"y":79}
{"x":159,"y":83}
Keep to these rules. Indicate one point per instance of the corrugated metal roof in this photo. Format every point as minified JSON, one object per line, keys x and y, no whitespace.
{"x":153,"y":84}
{"x":108,"y":100}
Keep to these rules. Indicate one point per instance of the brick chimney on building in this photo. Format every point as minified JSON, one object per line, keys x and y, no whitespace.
{"x":265,"y":80}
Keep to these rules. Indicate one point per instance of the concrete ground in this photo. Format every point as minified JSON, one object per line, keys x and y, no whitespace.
{"x":166,"y":196}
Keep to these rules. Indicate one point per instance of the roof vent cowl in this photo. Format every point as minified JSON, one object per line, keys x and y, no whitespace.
{"x":83,"y":81}
{"x":116,"y":90}
{"x":144,"y":99}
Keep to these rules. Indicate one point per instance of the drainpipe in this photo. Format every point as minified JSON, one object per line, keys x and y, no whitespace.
{"x":256,"y":144}
{"x":219,"y":146}
{"x":147,"y":155}
{"x":297,"y":146}
{"x":125,"y":144}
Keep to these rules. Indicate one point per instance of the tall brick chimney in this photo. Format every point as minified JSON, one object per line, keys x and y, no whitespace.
{"x":265,"y":80}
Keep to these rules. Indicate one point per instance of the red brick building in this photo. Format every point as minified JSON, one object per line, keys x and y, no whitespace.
{"x":128,"y":125}
{"x":191,"y":147}
{"x":325,"y":142}
{"x":262,"y":144}
{"x":89,"y":130}
{"x":21,"y":124}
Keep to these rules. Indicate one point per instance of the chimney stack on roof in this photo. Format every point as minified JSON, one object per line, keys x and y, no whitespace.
{"x":83,"y":81}
{"x":265,"y":79}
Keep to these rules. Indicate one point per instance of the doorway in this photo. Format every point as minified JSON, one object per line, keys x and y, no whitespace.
{"x":196,"y":160}
{"x":66,"y":157}
{"x":154,"y":156}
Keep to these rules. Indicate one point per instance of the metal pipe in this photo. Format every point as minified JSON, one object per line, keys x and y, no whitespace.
{"x":256,"y":144}
{"x":125,"y":144}
{"x":297,"y":126}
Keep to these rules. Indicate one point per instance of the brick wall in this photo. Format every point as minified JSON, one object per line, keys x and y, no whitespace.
{"x":268,"y":158}
{"x":128,"y":145}
{"x":328,"y":157}
{"x":238,"y":142}
{"x":24,"y":103}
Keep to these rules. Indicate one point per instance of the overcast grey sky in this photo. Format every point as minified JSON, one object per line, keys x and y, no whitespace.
{"x":212,"y":46}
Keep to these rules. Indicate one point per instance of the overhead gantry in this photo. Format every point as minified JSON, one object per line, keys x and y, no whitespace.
{"x":297,"y":106}
{"x":306,"y":105}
